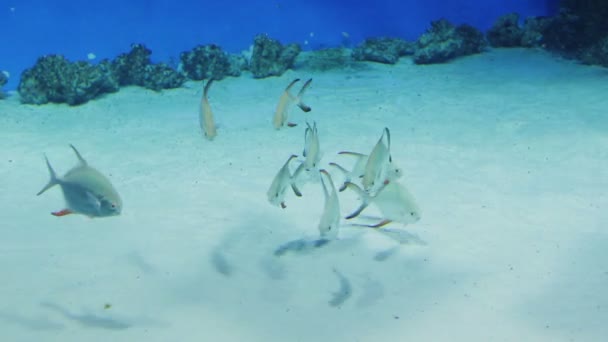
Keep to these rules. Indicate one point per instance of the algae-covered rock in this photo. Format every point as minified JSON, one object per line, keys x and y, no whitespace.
{"x":209,"y":62}
{"x":136,"y":68}
{"x":596,"y":54}
{"x":130,"y":67}
{"x":534,"y":31}
{"x":161,"y":76}
{"x":383,"y":50}
{"x":506,"y":31}
{"x":55,"y":79}
{"x":443,"y":41}
{"x":270,"y":57}
{"x":238,"y":63}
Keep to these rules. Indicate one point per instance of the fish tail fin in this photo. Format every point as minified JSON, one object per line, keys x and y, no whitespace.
{"x":305,"y":108}
{"x":78,"y":155}
{"x":346,"y":175}
{"x":365,"y":199}
{"x":294,"y":178}
{"x":325,"y":190}
{"x":53,"y":181}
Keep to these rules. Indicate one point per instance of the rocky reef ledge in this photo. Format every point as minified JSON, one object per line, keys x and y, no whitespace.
{"x":579,"y":30}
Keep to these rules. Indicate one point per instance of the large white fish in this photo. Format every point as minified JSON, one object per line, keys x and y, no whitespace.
{"x":86,"y":191}
{"x":286,"y":99}
{"x":282,"y":180}
{"x":395,"y":202}
{"x":206,"y":116}
{"x":330,"y":219}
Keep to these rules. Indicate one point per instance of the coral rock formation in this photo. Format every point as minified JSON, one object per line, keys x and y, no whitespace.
{"x":210,"y":62}
{"x":383,"y":50}
{"x":135,"y":68}
{"x":443,"y":41}
{"x":506,"y":31}
{"x":270,"y":57}
{"x":55,"y":79}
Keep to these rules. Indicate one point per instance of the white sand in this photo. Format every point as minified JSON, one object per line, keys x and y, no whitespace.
{"x":506,"y":152}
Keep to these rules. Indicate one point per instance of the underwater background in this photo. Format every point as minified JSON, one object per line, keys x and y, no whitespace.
{"x":107,"y":28}
{"x":304,"y":171}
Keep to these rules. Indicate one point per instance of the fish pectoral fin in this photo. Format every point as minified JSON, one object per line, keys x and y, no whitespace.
{"x":296,"y":191}
{"x":373,"y":226}
{"x":63,"y":212}
{"x":93,"y":200}
{"x":358,"y":211}
{"x":304,"y":107}
{"x":380,"y":224}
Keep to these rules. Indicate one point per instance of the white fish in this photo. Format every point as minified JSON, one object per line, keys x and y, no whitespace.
{"x":286,"y":99}
{"x":312,"y":148}
{"x":282,"y":180}
{"x":330,"y":219}
{"x":86,"y":191}
{"x":357,"y":170}
{"x":395,"y":202}
{"x":378,"y":163}
{"x":206,"y":116}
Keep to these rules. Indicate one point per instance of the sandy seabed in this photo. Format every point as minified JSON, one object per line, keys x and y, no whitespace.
{"x":506,"y":153}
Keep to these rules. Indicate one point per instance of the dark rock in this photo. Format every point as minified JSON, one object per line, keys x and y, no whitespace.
{"x":238,"y":63}
{"x":534,"y":31}
{"x":270,"y":57}
{"x":161,"y":76}
{"x":563,"y":34}
{"x":383,"y":50}
{"x":443,"y":41}
{"x":506,"y":31}
{"x":579,"y":30}
{"x":473,"y":40}
{"x":55,"y":79}
{"x":590,"y":25}
{"x":130,"y":67}
{"x":208,"y":62}
{"x":596,"y":54}
{"x":136,"y":68}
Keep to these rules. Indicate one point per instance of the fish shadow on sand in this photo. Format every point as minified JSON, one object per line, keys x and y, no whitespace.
{"x":88,"y":320}
{"x":39,"y":323}
{"x":220,"y":263}
{"x":345,"y":290}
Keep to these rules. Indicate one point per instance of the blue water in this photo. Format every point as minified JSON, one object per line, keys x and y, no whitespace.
{"x":33,"y":28}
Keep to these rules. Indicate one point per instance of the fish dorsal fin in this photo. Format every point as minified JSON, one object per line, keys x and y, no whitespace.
{"x":386,"y":133}
{"x":206,"y":89}
{"x":307,"y":135}
{"x":291,"y":84}
{"x":388,"y":138}
{"x":325,"y":174}
{"x":80,"y":159}
{"x":304,"y":87}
